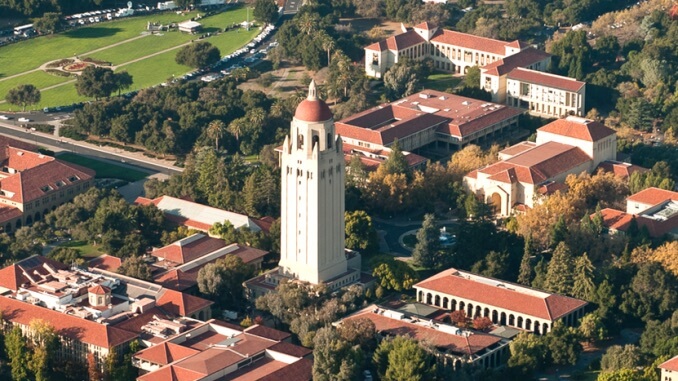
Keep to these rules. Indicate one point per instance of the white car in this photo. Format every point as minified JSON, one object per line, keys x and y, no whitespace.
{"x":4,"y":117}
{"x":24,"y":120}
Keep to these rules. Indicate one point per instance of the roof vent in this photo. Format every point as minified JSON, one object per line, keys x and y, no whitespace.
{"x":466,"y":103}
{"x":20,"y":153}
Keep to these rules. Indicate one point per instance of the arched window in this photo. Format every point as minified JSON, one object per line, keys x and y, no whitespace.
{"x":315,"y":139}
{"x":300,"y":141}
{"x":329,"y":140}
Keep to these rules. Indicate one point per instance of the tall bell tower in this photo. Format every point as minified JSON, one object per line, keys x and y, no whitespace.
{"x":313,"y":174}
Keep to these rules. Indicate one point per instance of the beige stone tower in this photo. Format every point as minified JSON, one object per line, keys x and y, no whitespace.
{"x":313,"y":174}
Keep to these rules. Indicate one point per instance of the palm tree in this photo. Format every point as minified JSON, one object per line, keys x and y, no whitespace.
{"x":256,"y":116}
{"x":236,"y":127}
{"x":308,"y":22}
{"x":328,"y":44}
{"x":216,"y":130}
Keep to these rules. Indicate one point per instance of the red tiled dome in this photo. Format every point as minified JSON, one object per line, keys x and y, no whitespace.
{"x":313,"y":111}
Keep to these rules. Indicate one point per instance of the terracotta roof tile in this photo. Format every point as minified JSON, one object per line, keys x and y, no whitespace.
{"x":470,"y":41}
{"x":404,"y":40}
{"x":105,"y":262}
{"x":378,"y":46}
{"x":99,"y":290}
{"x":546,"y":79}
{"x":86,"y":331}
{"x":424,"y":25}
{"x":171,"y":373}
{"x":508,"y":296}
{"x":165,"y":353}
{"x":457,"y":344}
{"x":180,"y":303}
{"x":615,"y":219}
{"x":653,"y":196}
{"x":291,"y":349}
{"x":189,"y":249}
{"x":523,"y":58}
{"x":578,"y":128}
{"x":620,"y":169}
{"x":268,"y":333}
{"x":671,"y":364}
{"x":297,"y":371}
{"x":8,"y":213}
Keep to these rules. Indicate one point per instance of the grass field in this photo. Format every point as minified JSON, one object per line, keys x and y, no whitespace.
{"x":441,"y":81}
{"x":27,"y":55}
{"x":105,"y":170}
{"x":86,"y":250}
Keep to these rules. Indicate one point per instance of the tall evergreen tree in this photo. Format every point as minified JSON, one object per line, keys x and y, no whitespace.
{"x":559,"y":276}
{"x":16,"y":351}
{"x":525,"y":274}
{"x":540,"y":274}
{"x":428,"y":243}
{"x":583,"y":286}
{"x":396,"y":162}
{"x":559,"y":232}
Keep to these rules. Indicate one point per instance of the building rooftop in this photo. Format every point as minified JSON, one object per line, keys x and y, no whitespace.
{"x":446,"y":338}
{"x":546,"y":79}
{"x":494,"y":292}
{"x":578,"y":128}
{"x":653,"y":196}
{"x":470,"y":41}
{"x":448,"y":113}
{"x":198,"y":216}
{"x":671,"y":364}
{"x":189,"y":248}
{"x":523,"y":58}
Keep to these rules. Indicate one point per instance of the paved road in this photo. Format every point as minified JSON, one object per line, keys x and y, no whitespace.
{"x":86,"y":149}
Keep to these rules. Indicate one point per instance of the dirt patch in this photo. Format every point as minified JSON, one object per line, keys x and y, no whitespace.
{"x":286,"y":80}
{"x":361,"y":25}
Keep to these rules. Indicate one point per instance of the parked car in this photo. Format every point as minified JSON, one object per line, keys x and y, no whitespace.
{"x":4,"y":117}
{"x":24,"y":120}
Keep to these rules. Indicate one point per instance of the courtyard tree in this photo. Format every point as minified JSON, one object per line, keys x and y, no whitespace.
{"x":198,"y":54}
{"x":428,"y":243}
{"x":266,"y":11}
{"x":23,"y":95}
{"x":123,"y":81}
{"x":136,"y":267}
{"x":393,"y":274}
{"x":403,"y":358}
{"x":401,"y":80}
{"x":560,"y":273}
{"x":334,"y":358}
{"x":223,"y":280}
{"x":17,"y":353}
{"x":216,"y":130}
{"x":360,"y":233}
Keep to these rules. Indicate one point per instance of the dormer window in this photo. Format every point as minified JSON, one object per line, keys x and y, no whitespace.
{"x":73,"y":178}
{"x":60,"y":183}
{"x":46,"y":188}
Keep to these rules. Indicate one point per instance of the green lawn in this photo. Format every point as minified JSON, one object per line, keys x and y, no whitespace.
{"x":141,"y":47}
{"x":441,"y":81}
{"x":86,"y":250}
{"x":58,"y":96}
{"x":148,"y":72}
{"x":26,"y":55}
{"x":104,"y":169}
{"x":39,"y":79}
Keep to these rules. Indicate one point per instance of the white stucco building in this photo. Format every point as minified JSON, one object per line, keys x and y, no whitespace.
{"x":312,"y":207}
{"x":529,"y":170}
{"x":503,"y":302}
{"x":669,"y":370}
{"x":450,"y":50}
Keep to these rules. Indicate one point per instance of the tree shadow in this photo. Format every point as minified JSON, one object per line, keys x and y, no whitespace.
{"x":93,"y":32}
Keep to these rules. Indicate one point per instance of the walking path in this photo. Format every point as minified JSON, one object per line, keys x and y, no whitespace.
{"x":151,"y":55}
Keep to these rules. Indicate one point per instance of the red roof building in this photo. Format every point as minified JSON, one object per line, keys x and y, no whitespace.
{"x":653,"y":209}
{"x":461,"y":345}
{"x":450,"y":50}
{"x":429,"y":117}
{"x":503,"y":302}
{"x":669,"y":370}
{"x":528,"y":170}
{"x":32,"y":184}
{"x":213,"y":351}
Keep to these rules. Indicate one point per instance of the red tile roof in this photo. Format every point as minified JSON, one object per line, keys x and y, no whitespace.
{"x":75,"y":328}
{"x":541,"y":163}
{"x":177,"y":280}
{"x":470,"y":41}
{"x":180,"y":303}
{"x":99,"y":290}
{"x":171,"y":373}
{"x":546,"y":79}
{"x":187,"y":250}
{"x":105,"y":262}
{"x":523,"y":58}
{"x":268,"y":333}
{"x":578,"y":128}
{"x":518,"y":148}
{"x":8,"y":213}
{"x":624,"y":170}
{"x":14,"y":275}
{"x":300,"y":370}
{"x":671,"y":364}
{"x":615,"y":219}
{"x":457,"y":344}
{"x":508,"y":296}
{"x":653,"y":196}
{"x":378,"y":46}
{"x":165,"y":353}
{"x":291,"y":349}
{"x":424,"y":25}
{"x":37,"y":172}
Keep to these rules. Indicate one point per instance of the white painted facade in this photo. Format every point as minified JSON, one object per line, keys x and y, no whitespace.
{"x":545,"y":101}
